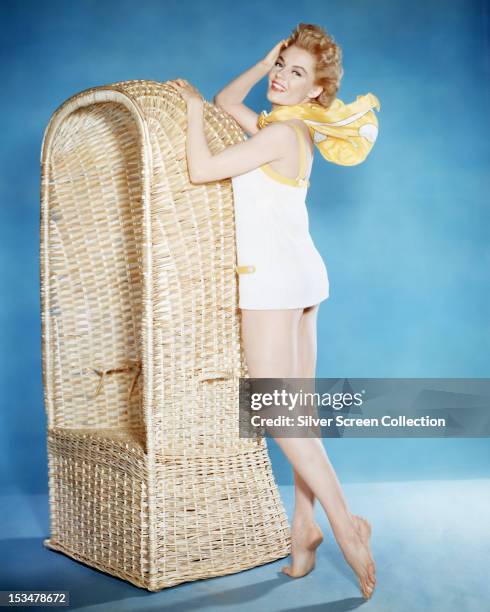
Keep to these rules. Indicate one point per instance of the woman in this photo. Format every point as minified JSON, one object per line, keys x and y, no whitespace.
{"x":282,"y":278}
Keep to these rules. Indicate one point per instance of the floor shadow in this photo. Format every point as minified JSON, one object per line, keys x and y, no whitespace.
{"x":31,"y":566}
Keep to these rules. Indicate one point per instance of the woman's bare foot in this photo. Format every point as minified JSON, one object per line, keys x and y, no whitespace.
{"x":363,"y":528}
{"x":305,"y":539}
{"x":355,"y":549}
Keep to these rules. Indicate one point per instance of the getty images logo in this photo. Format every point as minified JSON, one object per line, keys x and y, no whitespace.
{"x":290,"y":400}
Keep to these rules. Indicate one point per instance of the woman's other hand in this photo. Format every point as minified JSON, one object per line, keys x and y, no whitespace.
{"x":185,"y":89}
{"x":270,"y":59}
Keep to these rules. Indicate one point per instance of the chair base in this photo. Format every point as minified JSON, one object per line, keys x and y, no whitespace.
{"x":211,"y":516}
{"x":160,"y":585}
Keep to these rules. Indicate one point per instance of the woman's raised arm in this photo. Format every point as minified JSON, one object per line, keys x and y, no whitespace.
{"x":237,"y":90}
{"x":231,"y":97}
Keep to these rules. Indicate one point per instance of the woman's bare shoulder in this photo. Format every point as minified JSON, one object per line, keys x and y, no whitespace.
{"x":305,"y":130}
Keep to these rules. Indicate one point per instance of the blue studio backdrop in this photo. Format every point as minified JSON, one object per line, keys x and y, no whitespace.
{"x":404,"y":235}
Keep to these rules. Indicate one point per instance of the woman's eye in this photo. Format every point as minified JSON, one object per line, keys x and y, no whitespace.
{"x":294,"y":71}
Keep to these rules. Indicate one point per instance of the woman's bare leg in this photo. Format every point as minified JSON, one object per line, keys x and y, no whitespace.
{"x":270,"y":340}
{"x":310,"y":459}
{"x":306,"y":534}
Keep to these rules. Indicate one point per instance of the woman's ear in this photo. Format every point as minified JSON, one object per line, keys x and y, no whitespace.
{"x":315,"y":92}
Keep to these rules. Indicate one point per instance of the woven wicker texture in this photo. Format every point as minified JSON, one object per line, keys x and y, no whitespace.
{"x":148,"y":477}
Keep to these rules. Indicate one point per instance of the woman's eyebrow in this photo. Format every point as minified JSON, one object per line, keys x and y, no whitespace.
{"x":300,"y":67}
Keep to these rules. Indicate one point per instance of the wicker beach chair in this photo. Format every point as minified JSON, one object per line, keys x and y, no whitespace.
{"x":148,"y":478}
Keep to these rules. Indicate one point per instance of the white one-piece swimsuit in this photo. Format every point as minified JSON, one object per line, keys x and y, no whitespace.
{"x":278,"y":264}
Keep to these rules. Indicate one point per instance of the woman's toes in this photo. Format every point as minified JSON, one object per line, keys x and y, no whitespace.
{"x":372,"y":571}
{"x":368,"y":587}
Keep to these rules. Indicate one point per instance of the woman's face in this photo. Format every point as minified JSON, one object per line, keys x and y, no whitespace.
{"x":294,"y":70}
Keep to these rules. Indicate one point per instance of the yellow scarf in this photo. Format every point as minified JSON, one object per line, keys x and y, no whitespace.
{"x":343,"y":133}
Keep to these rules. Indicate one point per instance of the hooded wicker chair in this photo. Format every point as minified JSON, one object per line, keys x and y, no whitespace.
{"x":148,"y":478}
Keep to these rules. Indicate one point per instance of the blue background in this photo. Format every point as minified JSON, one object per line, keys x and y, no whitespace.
{"x":404,"y":235}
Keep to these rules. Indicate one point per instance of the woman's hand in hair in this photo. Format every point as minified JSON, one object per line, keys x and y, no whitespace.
{"x":270,"y":59}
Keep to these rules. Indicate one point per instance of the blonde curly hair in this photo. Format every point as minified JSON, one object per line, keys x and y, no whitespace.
{"x":328,"y":56}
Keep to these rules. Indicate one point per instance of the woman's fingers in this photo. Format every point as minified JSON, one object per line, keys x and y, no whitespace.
{"x":184,"y":89}
{"x":178,"y":84}
{"x":175,"y":83}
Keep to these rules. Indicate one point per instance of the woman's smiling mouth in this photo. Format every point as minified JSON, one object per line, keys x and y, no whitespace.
{"x":277,"y":86}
